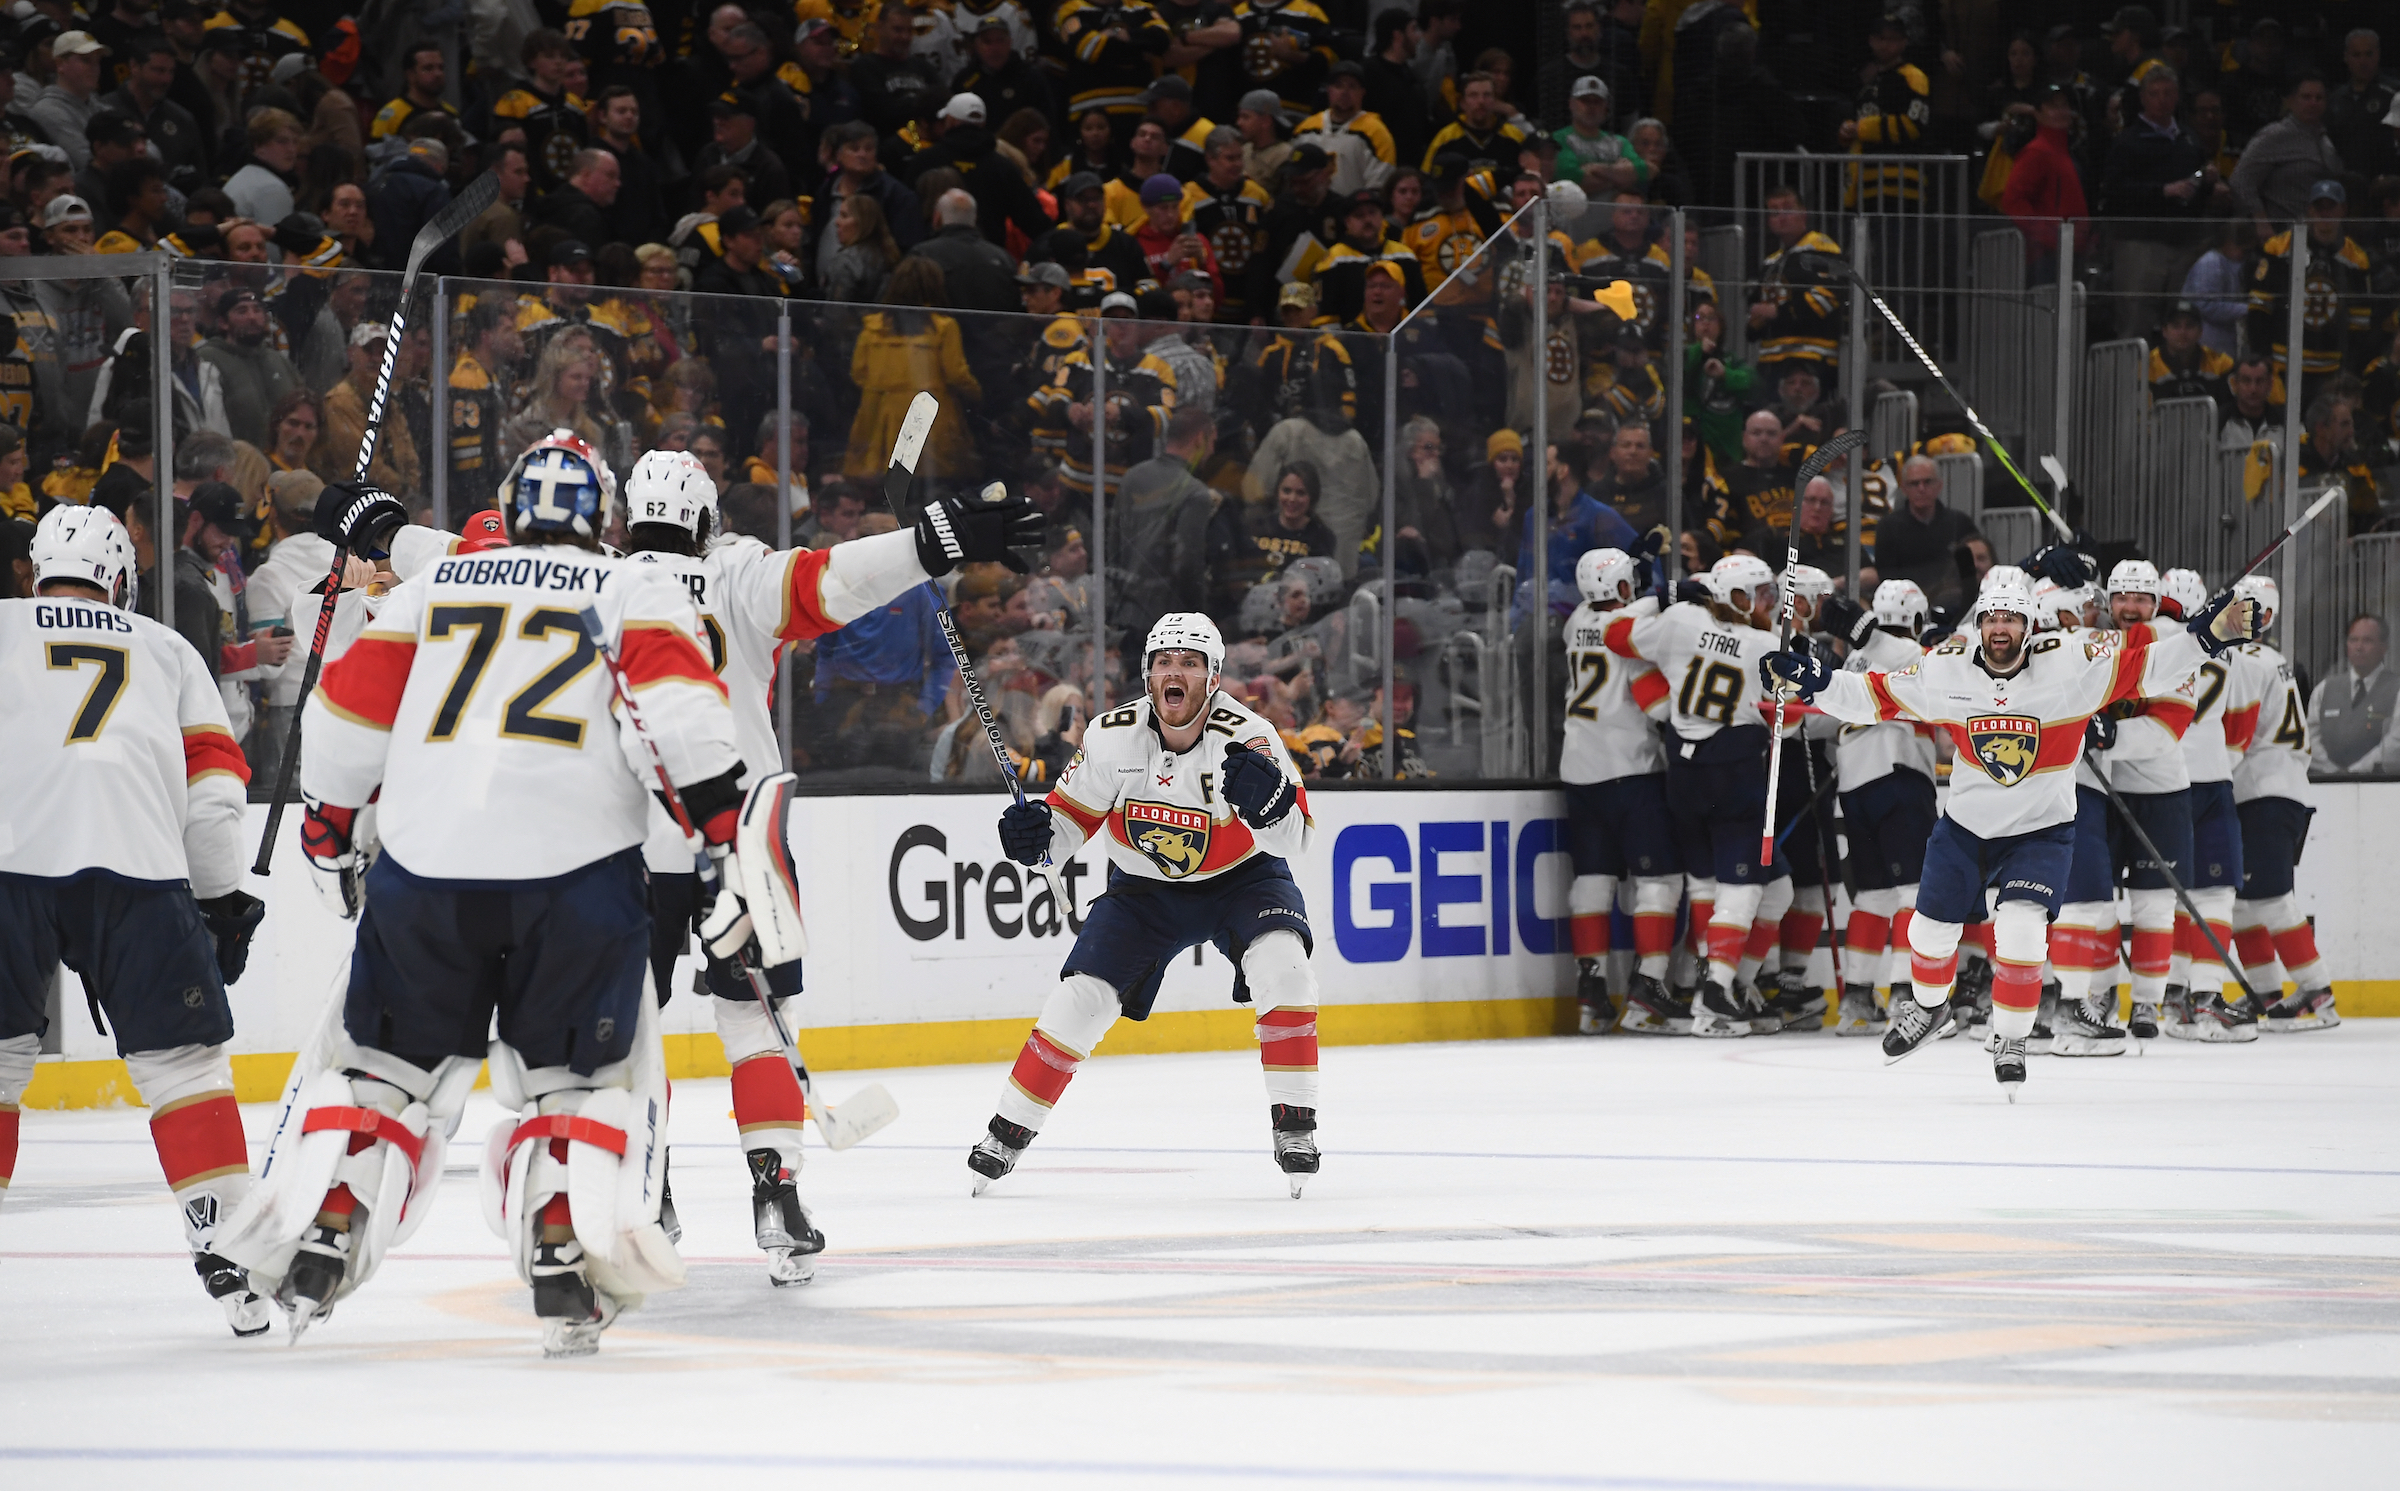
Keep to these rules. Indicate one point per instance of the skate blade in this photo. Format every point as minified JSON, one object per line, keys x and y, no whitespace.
{"x":564,"y":1340}
{"x":786,"y":1268}
{"x":979,"y":1183}
{"x":2011,"y":1089}
{"x":249,"y":1315}
{"x":859,"y":1115}
{"x":1296,"y":1182}
{"x":300,"y":1315}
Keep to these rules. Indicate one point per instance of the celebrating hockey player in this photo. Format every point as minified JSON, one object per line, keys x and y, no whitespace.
{"x":2016,"y":710}
{"x":2224,"y":710}
{"x":1708,"y":649}
{"x":2143,"y":758}
{"x":125,"y":864}
{"x":1202,"y":809}
{"x":1788,"y":946}
{"x":2268,"y":794}
{"x":1618,"y":829}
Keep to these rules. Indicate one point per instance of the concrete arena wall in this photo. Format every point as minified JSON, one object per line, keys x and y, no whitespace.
{"x":929,"y":947}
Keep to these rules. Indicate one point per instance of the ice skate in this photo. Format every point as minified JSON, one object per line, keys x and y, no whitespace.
{"x":1971,"y":1002}
{"x":2085,"y":1029}
{"x":790,"y":1241}
{"x":1858,"y":1015}
{"x":668,"y":1221}
{"x":573,"y":1314}
{"x":1650,"y":1010}
{"x":2144,"y":1023}
{"x":314,"y":1277}
{"x":2309,"y":1009}
{"x":1912,"y":1026}
{"x":1717,"y":1015}
{"x":1295,"y":1143}
{"x":2175,"y":1014}
{"x":2008,"y":1065}
{"x":1799,"y":1006}
{"x":1758,"y":1004}
{"x":229,"y":1285}
{"x":2218,"y":1022}
{"x":1598,"y":1016}
{"x":996,"y":1153}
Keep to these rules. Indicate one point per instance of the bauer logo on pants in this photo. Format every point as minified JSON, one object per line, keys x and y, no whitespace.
{"x":1175,"y":839}
{"x":2005,"y":745}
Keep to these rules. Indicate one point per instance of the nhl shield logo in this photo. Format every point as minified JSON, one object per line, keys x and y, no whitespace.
{"x":2005,"y":745}
{"x":1172,"y":838}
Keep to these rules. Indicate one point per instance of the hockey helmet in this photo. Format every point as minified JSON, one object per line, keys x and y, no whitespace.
{"x":89,"y":545}
{"x":1744,"y":573}
{"x":1185,"y":631}
{"x":2263,"y":590}
{"x":2134,"y":577}
{"x":559,"y":485}
{"x":671,"y":486}
{"x":1902,"y":603}
{"x":2185,"y":588}
{"x":1604,"y":576}
{"x":2052,"y":600}
{"x":1810,"y":583}
{"x":2005,"y":574}
{"x":2009,"y":596}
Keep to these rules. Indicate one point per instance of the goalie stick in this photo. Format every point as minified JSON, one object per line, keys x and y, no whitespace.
{"x":464,"y":208}
{"x":1819,"y":461}
{"x":871,"y":1107}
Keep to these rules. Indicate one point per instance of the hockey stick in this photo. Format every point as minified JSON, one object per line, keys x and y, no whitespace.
{"x":897,"y":478}
{"x":2166,"y":868}
{"x":1837,"y":266}
{"x":1818,"y":462}
{"x":2285,"y":537}
{"x":837,"y":1133}
{"x":447,"y":224}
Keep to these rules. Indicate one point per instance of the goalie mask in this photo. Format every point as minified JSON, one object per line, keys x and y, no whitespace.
{"x":559,"y":485}
{"x":671,"y":486}
{"x":89,"y":545}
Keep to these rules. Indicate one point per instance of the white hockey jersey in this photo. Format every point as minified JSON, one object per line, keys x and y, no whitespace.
{"x":1606,"y":731}
{"x":477,"y":703}
{"x":754,"y":601}
{"x":1164,"y":815}
{"x":2224,"y":712}
{"x":2018,"y":737}
{"x":1869,"y":753}
{"x":2148,"y":755}
{"x":1710,"y":667}
{"x":120,"y":757}
{"x":2275,"y":763}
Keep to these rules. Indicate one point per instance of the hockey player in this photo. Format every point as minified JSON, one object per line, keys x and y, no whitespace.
{"x":2267,"y":791}
{"x":510,"y":882}
{"x":746,"y":593}
{"x":1618,"y":830}
{"x":2143,"y":758}
{"x":1201,"y":808}
{"x":1707,"y":647}
{"x":125,"y":863}
{"x":1783,"y":985}
{"x":2224,"y":708}
{"x":1887,"y":771}
{"x":2016,"y":710}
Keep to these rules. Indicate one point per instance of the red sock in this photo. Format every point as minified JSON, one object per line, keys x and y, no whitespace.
{"x":2255,"y":946}
{"x":2016,"y":986}
{"x":1588,"y":931}
{"x":1702,"y":912}
{"x":2153,"y":951}
{"x":200,"y":1138}
{"x":1800,"y":929}
{"x":1760,"y":942}
{"x":1977,"y":935}
{"x":555,"y":1212}
{"x":1043,"y":1069}
{"x":1900,"y":921}
{"x":766,"y":1093}
{"x":1653,"y":933}
{"x":1933,"y":972}
{"x":1287,"y":1040}
{"x":2078,"y":949}
{"x":1725,"y":943}
{"x":9,"y":1119}
{"x":2298,"y":947}
{"x":1866,"y":933}
{"x":2202,"y":952}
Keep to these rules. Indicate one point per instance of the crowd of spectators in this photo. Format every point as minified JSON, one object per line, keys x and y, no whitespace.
{"x":1150,"y":256}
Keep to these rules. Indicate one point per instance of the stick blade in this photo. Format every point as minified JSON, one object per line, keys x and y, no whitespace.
{"x":914,"y":428}
{"x":471,"y":202}
{"x":863,"y":1113}
{"x":1822,"y":458}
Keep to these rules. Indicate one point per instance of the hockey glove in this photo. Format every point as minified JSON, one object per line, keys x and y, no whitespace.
{"x":990,"y":529}
{"x":2225,"y":622}
{"x":1935,"y":635}
{"x":2063,"y":567}
{"x":325,"y":838}
{"x":1694,"y":591}
{"x":1797,"y":673}
{"x":232,"y":920}
{"x":1840,"y":616}
{"x":1256,"y":788}
{"x":1025,"y":832}
{"x":2099,"y":734}
{"x":360,"y":517}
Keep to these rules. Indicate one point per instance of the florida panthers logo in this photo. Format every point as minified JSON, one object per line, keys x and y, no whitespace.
{"x":2006,"y":745}
{"x":1174,"y":839}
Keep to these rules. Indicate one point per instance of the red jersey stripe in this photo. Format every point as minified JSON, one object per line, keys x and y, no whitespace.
{"x":2240,"y":725}
{"x":364,"y":685}
{"x":803,"y":596}
{"x":655,"y":652}
{"x":1648,"y":689}
{"x":1085,"y":818}
{"x":209,"y":749}
{"x":1619,"y":637}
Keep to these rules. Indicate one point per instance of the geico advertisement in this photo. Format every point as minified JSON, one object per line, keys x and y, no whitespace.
{"x":915,"y":914}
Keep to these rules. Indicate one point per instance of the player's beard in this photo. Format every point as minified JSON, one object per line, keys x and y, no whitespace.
{"x":2004,"y":652}
{"x":1176,"y":702}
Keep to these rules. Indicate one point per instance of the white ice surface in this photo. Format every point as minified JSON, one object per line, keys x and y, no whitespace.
{"x":1615,"y":1263}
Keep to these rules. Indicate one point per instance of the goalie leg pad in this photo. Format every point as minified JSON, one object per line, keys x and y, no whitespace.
{"x":770,"y":880}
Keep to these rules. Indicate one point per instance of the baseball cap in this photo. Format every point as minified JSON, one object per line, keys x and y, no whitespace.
{"x":1590,"y":85}
{"x":294,"y":494}
{"x":2182,"y":309}
{"x":1118,"y":300}
{"x":75,"y":44}
{"x":1298,"y":292}
{"x":1390,"y":270}
{"x":1345,"y":69}
{"x":2131,"y":18}
{"x":1451,"y":165}
{"x":288,"y":66}
{"x":966,"y":108}
{"x":1168,"y":85}
{"x":993,"y":21}
{"x":569,"y":251}
{"x":1887,"y":23}
{"x":68,"y":208}
{"x":2328,"y":191}
{"x":485,"y":530}
{"x":1262,"y":101}
{"x":817,"y":26}
{"x":233,"y":297}
{"x":1047,"y":273}
{"x":221,"y":505}
{"x":729,"y":103}
{"x":1161,"y":188}
{"x":737,"y":220}
{"x":1079,"y":183}
{"x":1309,"y":157}
{"x":368,"y":333}
{"x":1155,"y":304}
